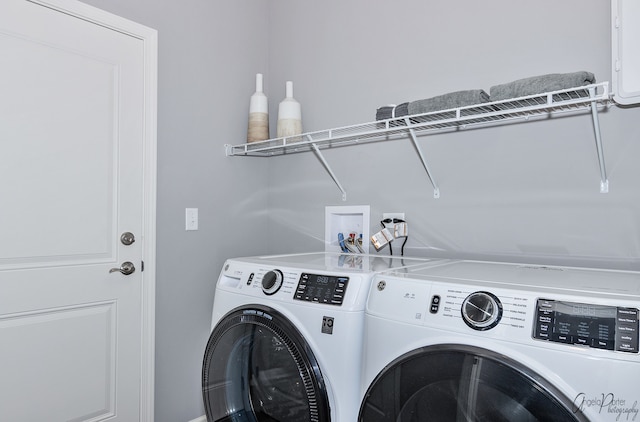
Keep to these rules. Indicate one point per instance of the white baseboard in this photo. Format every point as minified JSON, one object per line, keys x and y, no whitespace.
{"x":202,"y":418}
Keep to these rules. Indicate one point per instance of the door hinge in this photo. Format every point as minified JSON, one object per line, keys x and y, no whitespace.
{"x":141,"y":266}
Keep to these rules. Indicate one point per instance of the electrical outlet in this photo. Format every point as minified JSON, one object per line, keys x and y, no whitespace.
{"x":392,"y":215}
{"x":191,"y":219}
{"x":399,"y":226}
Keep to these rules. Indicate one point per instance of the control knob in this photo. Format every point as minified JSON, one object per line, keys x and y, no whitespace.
{"x":272,"y":281}
{"x":481,"y":311}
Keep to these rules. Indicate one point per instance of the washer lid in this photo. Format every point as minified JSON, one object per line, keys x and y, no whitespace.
{"x":336,"y":262}
{"x":623,"y":285}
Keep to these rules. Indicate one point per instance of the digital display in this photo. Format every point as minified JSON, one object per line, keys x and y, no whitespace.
{"x":322,"y":279}
{"x":597,"y":326}
{"x":325,"y":289}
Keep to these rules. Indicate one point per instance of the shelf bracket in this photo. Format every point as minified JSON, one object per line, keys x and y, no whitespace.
{"x":327,"y":167}
{"x":604,"y":182}
{"x":414,"y":139}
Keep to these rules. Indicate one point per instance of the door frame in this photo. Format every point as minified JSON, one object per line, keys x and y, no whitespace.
{"x":149,"y":38}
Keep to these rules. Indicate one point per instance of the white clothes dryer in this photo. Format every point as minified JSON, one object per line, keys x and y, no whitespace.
{"x":286,"y":340}
{"x":479,"y":341}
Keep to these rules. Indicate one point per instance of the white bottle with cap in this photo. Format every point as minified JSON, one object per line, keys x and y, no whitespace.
{"x":289,"y":115}
{"x":258,"y":114}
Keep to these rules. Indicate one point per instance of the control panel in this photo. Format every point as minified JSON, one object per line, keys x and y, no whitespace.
{"x":597,"y":326}
{"x":285,"y":284}
{"x":326,"y":289}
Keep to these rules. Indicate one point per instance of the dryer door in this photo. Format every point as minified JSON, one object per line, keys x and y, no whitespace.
{"x":258,"y":367}
{"x":463,"y":384}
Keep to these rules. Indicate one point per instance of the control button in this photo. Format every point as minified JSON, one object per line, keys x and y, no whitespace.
{"x":545,"y":304}
{"x":603,"y":344}
{"x":272,"y":281}
{"x":543,"y":336}
{"x":562,"y":338}
{"x":628,"y":316}
{"x":629,"y":329}
{"x":627,"y":347}
{"x":435,"y":304}
{"x":481,"y":311}
{"x":545,"y":316}
{"x":250,"y":279}
{"x":584,"y":341}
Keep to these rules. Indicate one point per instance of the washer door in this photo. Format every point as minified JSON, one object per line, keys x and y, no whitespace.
{"x":463,"y":384}
{"x":258,"y":367}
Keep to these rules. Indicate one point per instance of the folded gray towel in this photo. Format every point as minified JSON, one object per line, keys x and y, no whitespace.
{"x":448,"y":101}
{"x":389,"y":112}
{"x":540,"y":84}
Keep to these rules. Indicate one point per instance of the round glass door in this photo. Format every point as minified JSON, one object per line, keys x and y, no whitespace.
{"x":258,"y":368}
{"x":462,"y":384}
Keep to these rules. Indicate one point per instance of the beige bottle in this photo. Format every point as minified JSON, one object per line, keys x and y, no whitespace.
{"x":258,"y":114}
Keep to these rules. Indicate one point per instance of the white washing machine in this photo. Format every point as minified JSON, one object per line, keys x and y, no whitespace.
{"x":479,"y":341}
{"x":286,"y":338}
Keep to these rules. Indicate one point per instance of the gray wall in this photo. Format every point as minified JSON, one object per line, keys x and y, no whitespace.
{"x":209,"y":53}
{"x":526,"y":192}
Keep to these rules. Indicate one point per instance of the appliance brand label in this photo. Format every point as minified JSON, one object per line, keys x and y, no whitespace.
{"x":327,"y":325}
{"x":607,"y":404}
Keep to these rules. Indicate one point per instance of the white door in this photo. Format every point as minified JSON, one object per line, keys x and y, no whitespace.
{"x":72,"y":181}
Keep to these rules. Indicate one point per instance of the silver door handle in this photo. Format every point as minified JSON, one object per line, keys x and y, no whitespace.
{"x":126,"y":268}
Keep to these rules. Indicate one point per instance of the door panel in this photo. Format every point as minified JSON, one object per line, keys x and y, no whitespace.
{"x":61,"y":175}
{"x":71,"y":165}
{"x":88,"y":372}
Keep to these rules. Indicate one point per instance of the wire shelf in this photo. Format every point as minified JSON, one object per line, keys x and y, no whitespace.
{"x":485,"y":114}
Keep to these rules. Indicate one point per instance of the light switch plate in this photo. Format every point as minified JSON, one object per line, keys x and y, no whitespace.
{"x":191,"y":219}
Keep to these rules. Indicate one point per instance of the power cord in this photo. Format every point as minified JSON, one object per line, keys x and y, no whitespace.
{"x":399,"y":230}
{"x":402,"y":247}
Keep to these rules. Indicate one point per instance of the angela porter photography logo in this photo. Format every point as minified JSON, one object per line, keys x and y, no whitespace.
{"x":607,"y":404}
